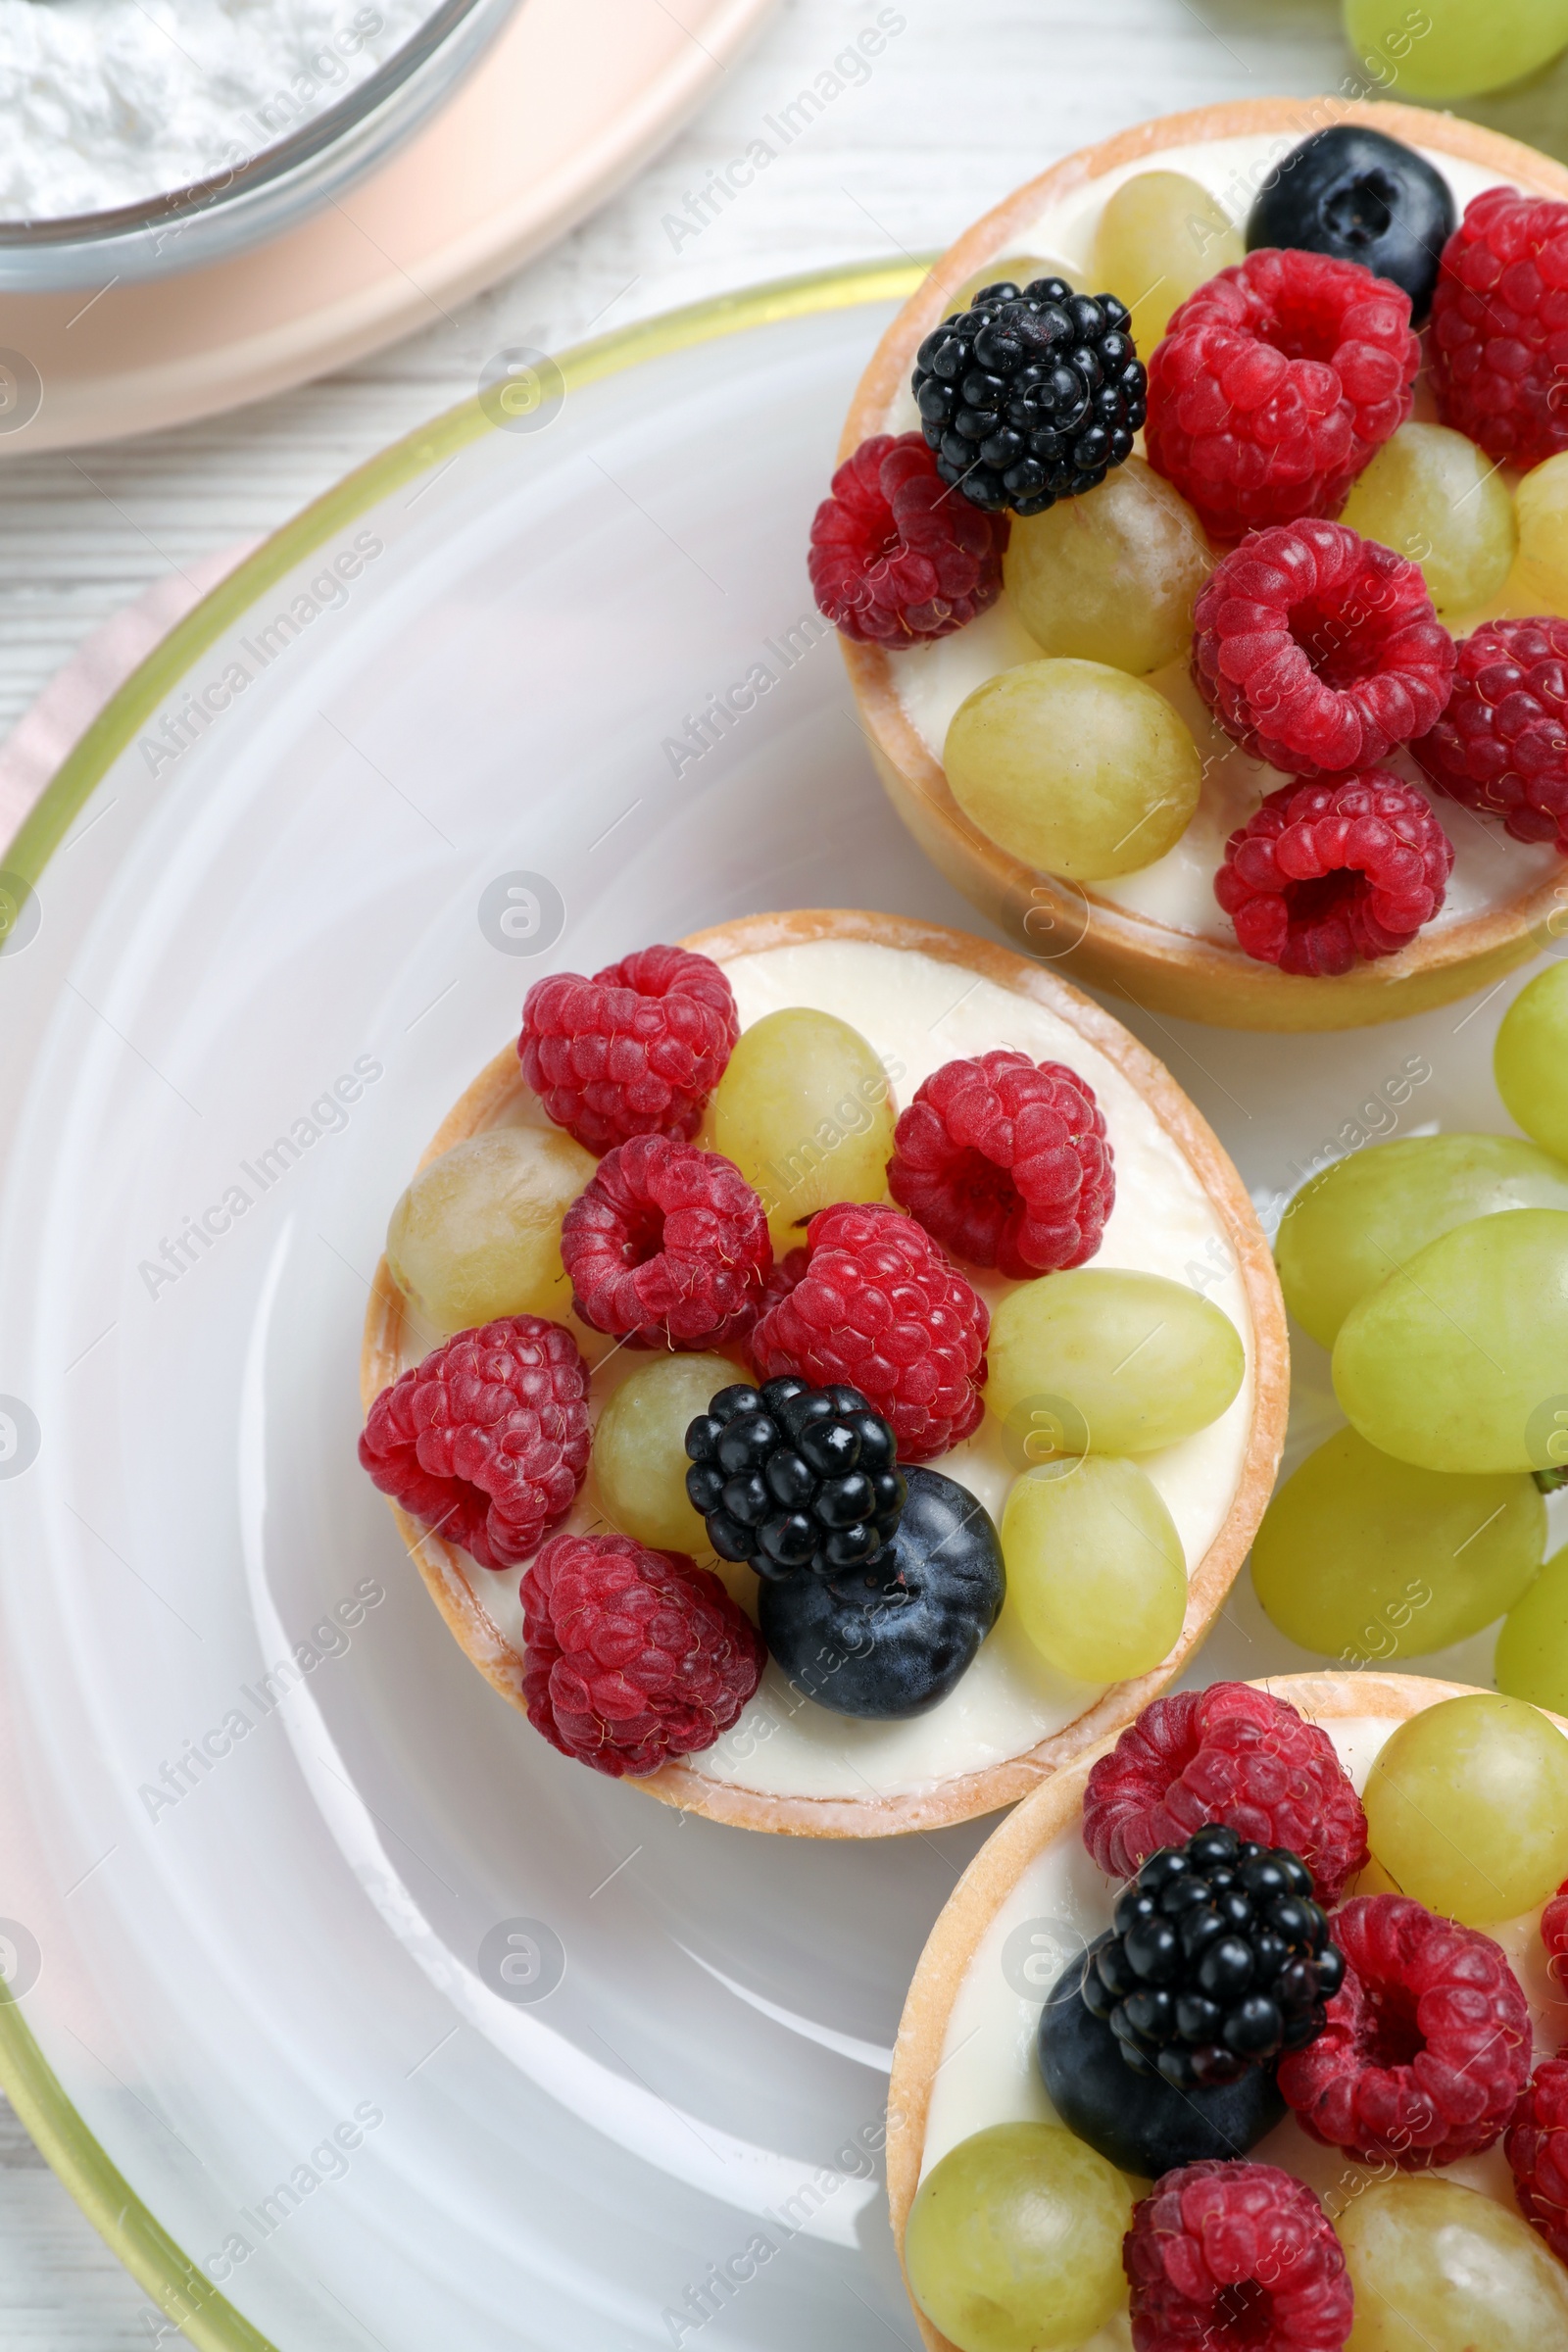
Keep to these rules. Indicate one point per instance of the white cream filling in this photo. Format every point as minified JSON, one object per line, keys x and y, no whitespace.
{"x":1062,"y":1902}
{"x":1177,"y":891}
{"x":918,"y":1014}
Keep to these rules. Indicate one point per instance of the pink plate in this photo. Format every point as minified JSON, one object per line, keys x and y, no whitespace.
{"x":573,"y":97}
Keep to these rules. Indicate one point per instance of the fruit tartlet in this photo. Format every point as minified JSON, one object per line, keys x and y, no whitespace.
{"x":825,"y":1372}
{"x":1242,"y":2032}
{"x":1198,"y":550}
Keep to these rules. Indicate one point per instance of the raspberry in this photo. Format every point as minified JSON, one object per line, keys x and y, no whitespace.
{"x":1227,"y":1754}
{"x":1234,"y":2258}
{"x":486,"y":1442}
{"x":1427,"y":2047}
{"x":1334,"y":869}
{"x":1005,"y":1162}
{"x":1499,"y":345}
{"x":1554,"y":1934}
{"x":896,"y":556}
{"x":1537,"y":2149}
{"x":1276,"y":383}
{"x":633,"y":1656}
{"x":787,"y":1272}
{"x":667,"y":1246}
{"x":880,"y":1309}
{"x":1319,"y":651}
{"x":1503,"y":742}
{"x":637,"y":1049}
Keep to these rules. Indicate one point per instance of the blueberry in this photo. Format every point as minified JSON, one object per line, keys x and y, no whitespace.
{"x":891,"y":1639}
{"x":1136,"y":2120}
{"x":1361,"y":197}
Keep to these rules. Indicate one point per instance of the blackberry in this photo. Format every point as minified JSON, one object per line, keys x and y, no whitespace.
{"x":1027,"y":396}
{"x":790,"y":1477}
{"x":1220,"y":1961}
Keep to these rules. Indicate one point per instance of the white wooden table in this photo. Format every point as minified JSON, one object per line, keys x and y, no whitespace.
{"x":970,"y":97}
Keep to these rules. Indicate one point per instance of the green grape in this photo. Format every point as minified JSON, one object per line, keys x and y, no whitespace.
{"x":1430,"y":494}
{"x":1074,"y":768}
{"x":1459,"y":1361}
{"x":1530,"y":1061}
{"x":805,"y":1113}
{"x":1351,"y":1227}
{"x":1532,"y":1660}
{"x":1013,"y":2241}
{"x":1467,"y":1808}
{"x":1370,"y":1559}
{"x":1116,"y":1362}
{"x":1160,"y":238}
{"x":640,"y":1461}
{"x":478,"y":1234}
{"x":1540,"y":502}
{"x":1095,"y":1574}
{"x":1437,"y":2268}
{"x":1454,"y":48}
{"x":1111,"y":576}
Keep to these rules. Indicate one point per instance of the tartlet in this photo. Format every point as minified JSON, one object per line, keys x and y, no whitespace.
{"x":1149,"y":960}
{"x":1125,"y":1074}
{"x":1054,"y":1812}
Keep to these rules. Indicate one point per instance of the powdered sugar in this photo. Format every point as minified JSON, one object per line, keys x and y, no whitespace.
{"x":112,"y":102}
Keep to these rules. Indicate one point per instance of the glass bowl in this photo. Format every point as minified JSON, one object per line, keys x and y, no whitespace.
{"x":189,"y":227}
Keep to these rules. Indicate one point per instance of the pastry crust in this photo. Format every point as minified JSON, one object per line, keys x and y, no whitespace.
{"x":500,"y":1087}
{"x":991,"y":1876}
{"x":1109,"y":946}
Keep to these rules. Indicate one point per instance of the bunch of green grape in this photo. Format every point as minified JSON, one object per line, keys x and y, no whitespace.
{"x":1435,"y":1269}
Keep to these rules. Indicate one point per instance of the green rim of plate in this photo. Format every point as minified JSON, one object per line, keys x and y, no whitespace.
{"x":171,"y":2280}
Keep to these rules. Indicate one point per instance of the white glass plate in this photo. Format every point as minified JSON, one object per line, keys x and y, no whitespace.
{"x":354,"y":2014}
